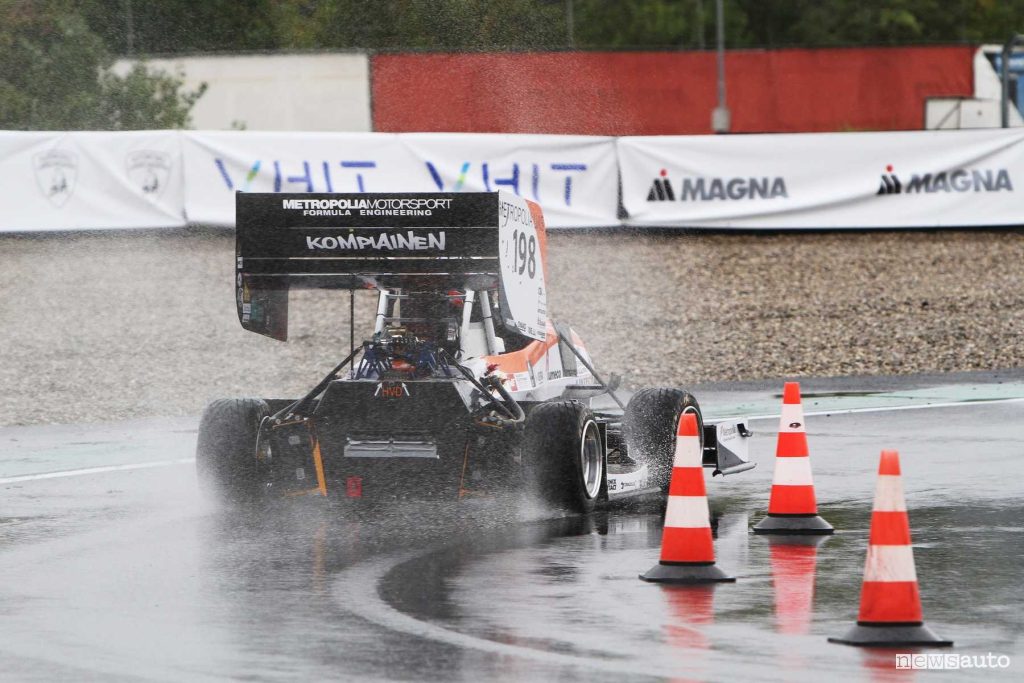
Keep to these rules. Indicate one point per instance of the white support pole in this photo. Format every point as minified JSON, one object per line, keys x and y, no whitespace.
{"x":467,"y":312}
{"x":485,"y":306}
{"x":382,"y":310}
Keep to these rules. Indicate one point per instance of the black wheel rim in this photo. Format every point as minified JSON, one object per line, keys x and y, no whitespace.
{"x":591,"y":459}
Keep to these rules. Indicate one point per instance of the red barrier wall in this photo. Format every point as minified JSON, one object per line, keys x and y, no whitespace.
{"x":663,"y":93}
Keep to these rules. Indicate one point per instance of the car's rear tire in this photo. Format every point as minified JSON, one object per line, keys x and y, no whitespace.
{"x":226,"y":460}
{"x":650,"y":423}
{"x":564,"y":456}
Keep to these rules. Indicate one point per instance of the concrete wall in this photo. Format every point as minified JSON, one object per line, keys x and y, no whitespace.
{"x":308,"y":92}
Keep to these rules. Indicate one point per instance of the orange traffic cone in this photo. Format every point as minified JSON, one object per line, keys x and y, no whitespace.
{"x":687,"y":552}
{"x":792,"y":508}
{"x":890,"y":605}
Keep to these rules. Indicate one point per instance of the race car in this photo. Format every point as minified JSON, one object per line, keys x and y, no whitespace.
{"x":466,"y":387}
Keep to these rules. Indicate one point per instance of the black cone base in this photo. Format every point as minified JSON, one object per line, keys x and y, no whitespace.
{"x":897,"y":635}
{"x":686,"y":573}
{"x":810,"y":524}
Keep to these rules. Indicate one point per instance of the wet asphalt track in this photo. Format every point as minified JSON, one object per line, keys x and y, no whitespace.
{"x":126,"y":574}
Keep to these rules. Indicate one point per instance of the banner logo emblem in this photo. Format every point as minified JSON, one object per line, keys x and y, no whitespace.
{"x":661,"y":189}
{"x":704,"y":189}
{"x":956,"y":180}
{"x":149,"y":171}
{"x":890,"y":183}
{"x":56,"y":174}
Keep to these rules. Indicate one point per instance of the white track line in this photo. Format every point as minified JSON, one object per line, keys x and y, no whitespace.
{"x":879,"y":409}
{"x":95,"y":470}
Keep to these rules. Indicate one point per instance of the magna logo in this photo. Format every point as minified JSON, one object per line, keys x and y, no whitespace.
{"x":958,"y":180}
{"x":394,"y":241}
{"x":709,"y":189}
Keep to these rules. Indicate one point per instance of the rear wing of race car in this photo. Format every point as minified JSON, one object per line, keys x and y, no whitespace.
{"x":417,"y":241}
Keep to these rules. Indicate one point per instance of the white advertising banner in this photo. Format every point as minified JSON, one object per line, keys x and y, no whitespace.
{"x":218,"y":164}
{"x":574,"y":178}
{"x":825,"y":180}
{"x":86,"y":180}
{"x":151,"y":179}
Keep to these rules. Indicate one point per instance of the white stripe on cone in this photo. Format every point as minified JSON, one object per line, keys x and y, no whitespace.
{"x":890,"y":563}
{"x":889,"y":494}
{"x":688,"y":512}
{"x":792,"y":472}
{"x":792,"y":414}
{"x":688,"y":452}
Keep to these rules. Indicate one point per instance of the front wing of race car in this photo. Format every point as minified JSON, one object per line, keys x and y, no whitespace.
{"x":726,"y":447}
{"x":726,"y":451}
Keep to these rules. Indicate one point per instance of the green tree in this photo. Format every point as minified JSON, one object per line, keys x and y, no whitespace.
{"x":56,"y":74}
{"x":661,"y":23}
{"x":184,"y":26}
{"x":438,"y":24}
{"x":175,"y":26}
{"x":141,"y":99}
{"x":816,"y":23}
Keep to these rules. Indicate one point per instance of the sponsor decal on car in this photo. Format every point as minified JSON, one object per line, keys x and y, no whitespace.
{"x":395,"y":241}
{"x":517,"y":213}
{"x":625,"y":482}
{"x":392,"y":390}
{"x":380,"y":206}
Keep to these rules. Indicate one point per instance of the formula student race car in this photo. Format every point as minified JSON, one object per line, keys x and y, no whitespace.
{"x":466,"y":387}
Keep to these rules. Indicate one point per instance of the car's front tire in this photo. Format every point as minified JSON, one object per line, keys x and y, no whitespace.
{"x":650,"y":422}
